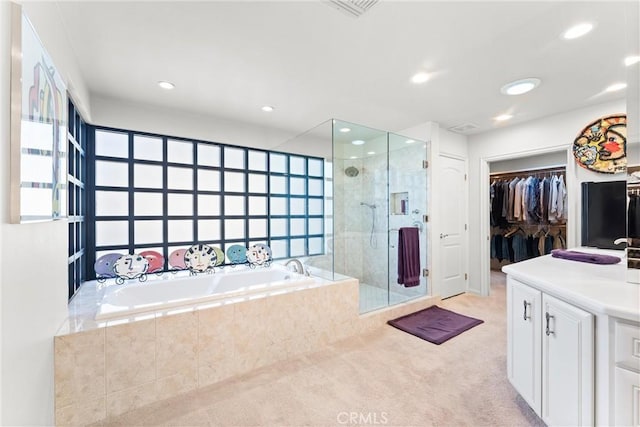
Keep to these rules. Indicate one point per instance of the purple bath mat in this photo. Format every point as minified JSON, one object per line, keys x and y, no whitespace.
{"x":434,"y":324}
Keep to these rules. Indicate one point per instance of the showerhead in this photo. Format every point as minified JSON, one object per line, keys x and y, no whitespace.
{"x":351,"y":171}
{"x":371,"y":206}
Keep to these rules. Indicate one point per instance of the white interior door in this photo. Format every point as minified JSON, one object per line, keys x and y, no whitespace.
{"x":452,"y":236}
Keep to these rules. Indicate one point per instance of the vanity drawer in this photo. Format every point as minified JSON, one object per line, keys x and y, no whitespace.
{"x":628,"y":345}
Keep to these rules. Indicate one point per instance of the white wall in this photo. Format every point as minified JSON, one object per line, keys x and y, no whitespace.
{"x":154,"y":119}
{"x":33,"y":259}
{"x":553,"y":133}
{"x":557,"y":158}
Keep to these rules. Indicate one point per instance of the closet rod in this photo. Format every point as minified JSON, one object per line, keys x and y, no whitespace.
{"x":560,"y":170}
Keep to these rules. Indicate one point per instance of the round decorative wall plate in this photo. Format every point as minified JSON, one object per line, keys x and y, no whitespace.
{"x":200,"y":258}
{"x":237,"y":254}
{"x":259,"y":254}
{"x":602,"y":145}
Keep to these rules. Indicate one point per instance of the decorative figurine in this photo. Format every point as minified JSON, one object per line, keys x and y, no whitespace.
{"x":176,"y":260}
{"x":156,"y":261}
{"x":104,"y":266}
{"x":219,"y":255}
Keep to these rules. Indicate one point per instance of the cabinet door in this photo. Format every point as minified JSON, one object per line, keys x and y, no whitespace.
{"x":524,"y":336}
{"x":627,"y":397}
{"x":567,"y":364}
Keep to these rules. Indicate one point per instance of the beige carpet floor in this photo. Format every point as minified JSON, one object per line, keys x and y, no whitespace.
{"x":385,"y":378}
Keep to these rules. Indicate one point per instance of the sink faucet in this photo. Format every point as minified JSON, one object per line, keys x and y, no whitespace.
{"x":298,"y":267}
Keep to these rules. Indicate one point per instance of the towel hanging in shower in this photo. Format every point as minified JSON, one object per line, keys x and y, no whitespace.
{"x":408,"y":256}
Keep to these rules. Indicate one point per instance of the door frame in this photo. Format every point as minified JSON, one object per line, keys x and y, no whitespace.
{"x":437,"y":261}
{"x":485,"y":229}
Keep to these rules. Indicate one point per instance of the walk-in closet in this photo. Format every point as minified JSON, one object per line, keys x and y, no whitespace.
{"x":528,"y":208}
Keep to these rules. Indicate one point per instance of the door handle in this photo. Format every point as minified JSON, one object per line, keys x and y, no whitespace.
{"x":524,"y":314}
{"x":442,"y":236}
{"x":548,"y":331}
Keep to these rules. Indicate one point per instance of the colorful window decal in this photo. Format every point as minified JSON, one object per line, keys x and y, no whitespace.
{"x":602,"y":145}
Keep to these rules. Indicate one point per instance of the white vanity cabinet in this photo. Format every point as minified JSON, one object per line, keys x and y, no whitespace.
{"x":550,"y":355}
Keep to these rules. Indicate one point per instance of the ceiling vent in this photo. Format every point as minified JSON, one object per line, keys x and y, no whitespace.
{"x":464,"y":128}
{"x":353,"y":8}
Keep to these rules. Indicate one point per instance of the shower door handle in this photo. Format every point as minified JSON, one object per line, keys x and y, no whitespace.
{"x":442,"y":236}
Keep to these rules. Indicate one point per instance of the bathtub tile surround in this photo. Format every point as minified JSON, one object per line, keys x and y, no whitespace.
{"x":108,"y":368}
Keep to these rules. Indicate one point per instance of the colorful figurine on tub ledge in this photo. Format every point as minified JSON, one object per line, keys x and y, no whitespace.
{"x":122,"y":267}
{"x":200,"y":259}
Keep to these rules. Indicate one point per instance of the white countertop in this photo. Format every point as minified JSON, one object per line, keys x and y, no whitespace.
{"x":599,"y":289}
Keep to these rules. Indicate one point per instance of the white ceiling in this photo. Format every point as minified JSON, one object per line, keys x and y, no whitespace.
{"x":312,"y":62}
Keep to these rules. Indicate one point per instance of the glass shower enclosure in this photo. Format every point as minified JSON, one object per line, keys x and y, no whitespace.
{"x":375,"y":184}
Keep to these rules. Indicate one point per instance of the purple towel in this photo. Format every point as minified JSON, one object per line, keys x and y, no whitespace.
{"x":408,"y":256}
{"x":585,"y":257}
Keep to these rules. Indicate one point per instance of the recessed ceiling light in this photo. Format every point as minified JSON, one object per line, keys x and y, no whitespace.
{"x":371,"y":152}
{"x":353,"y":157}
{"x":345,"y":130}
{"x":519,"y":87}
{"x":357,"y":142}
{"x":630,"y":60}
{"x":502,"y":117}
{"x":268,"y":108}
{"x":166,"y":85}
{"x":577,"y":31}
{"x":616,"y":87}
{"x":410,"y":141}
{"x":419,"y":78}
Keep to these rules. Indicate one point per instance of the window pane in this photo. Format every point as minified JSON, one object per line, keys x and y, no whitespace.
{"x":278,"y":185}
{"x":208,"y":180}
{"x":278,"y":206}
{"x":180,"y":230}
{"x":297,"y":207}
{"x":297,"y":165}
{"x":315,"y":187}
{"x":257,"y":205}
{"x":208,"y":155}
{"x":112,"y":174}
{"x":315,"y":167}
{"x":257,"y":183}
{"x":147,"y":176}
{"x":147,"y":232}
{"x":278,"y":249}
{"x":147,"y":148}
{"x":315,"y":246}
{"x":234,"y":205}
{"x":147,"y":204}
{"x":257,"y":160}
{"x":209,"y":229}
{"x":297,"y":247}
{"x":234,"y":181}
{"x":297,"y":227}
{"x":114,"y":144}
{"x":180,"y":151}
{"x":208,"y":204}
{"x":180,"y":178}
{"x":277,"y":163}
{"x":110,"y":233}
{"x":112,"y":203}
{"x":328,"y":169}
{"x":297,"y":186}
{"x":278,"y":227}
{"x":328,"y":207}
{"x":234,"y":158}
{"x":180,"y":204}
{"x":315,"y":226}
{"x":234,"y":229}
{"x":257,"y":228}
{"x":315,"y":207}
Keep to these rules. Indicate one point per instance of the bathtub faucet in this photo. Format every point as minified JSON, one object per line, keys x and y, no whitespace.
{"x":298,"y":267}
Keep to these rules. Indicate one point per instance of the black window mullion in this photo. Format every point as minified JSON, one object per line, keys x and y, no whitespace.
{"x":165,"y":202}
{"x":131,"y":194}
{"x":194,"y":146}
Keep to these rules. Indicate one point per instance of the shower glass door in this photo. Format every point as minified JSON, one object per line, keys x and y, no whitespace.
{"x":407,"y":207}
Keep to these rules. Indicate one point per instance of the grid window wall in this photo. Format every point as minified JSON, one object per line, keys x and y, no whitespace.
{"x":160,"y":193}
{"x":76,"y":169}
